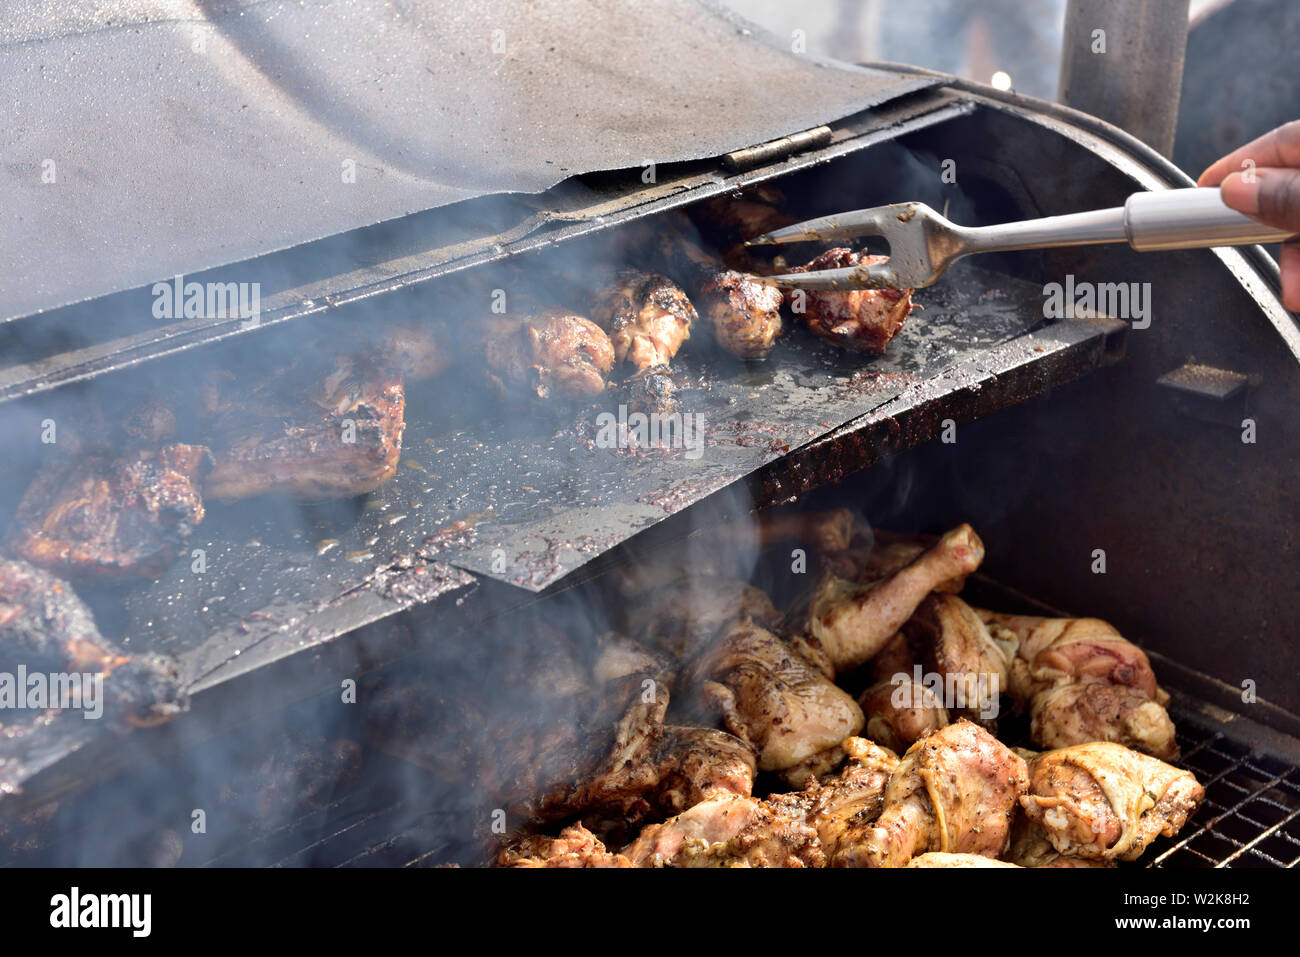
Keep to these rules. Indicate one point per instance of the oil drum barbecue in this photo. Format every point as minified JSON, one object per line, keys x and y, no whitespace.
{"x":621,"y":556}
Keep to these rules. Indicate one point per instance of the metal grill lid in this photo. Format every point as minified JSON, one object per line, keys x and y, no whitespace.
{"x":147,"y":138}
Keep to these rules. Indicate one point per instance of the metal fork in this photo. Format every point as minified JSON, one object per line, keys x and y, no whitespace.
{"x":922,"y":243}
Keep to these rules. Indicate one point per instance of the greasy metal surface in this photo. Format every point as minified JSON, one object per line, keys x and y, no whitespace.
{"x":157,"y":137}
{"x":355,"y":270}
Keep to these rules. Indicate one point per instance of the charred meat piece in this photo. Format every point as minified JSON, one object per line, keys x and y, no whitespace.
{"x":1103,"y":801}
{"x":96,"y":515}
{"x":647,"y":317}
{"x":552,"y":353}
{"x":652,"y":390}
{"x":744,"y":316}
{"x":863,"y":320}
{"x":47,"y":628}
{"x":308,"y":431}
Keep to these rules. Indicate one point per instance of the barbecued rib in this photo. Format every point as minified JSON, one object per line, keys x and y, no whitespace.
{"x":47,"y":628}
{"x":550,"y":353}
{"x":1103,"y":801}
{"x":954,"y":791}
{"x":94,"y":514}
{"x":863,"y":320}
{"x":308,"y":430}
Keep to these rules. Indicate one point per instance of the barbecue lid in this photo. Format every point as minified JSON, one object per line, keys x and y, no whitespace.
{"x":147,"y":138}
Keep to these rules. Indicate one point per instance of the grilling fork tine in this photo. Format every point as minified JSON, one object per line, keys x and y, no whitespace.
{"x":923,"y":244}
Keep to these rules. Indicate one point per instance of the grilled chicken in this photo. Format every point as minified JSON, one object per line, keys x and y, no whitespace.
{"x":313,"y":432}
{"x":743,"y":316}
{"x":550,"y":353}
{"x":863,"y":320}
{"x":899,"y":711}
{"x":770,"y":696}
{"x":47,"y":628}
{"x":1103,"y":801}
{"x":94,"y":514}
{"x":940,"y":859}
{"x":1030,"y":847}
{"x":949,"y":640}
{"x":802,"y":829}
{"x":1084,"y":682}
{"x":954,"y":791}
{"x":851,"y":622}
{"x":647,"y":317}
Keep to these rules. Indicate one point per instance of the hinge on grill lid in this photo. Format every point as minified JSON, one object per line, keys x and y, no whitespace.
{"x":777,"y":149}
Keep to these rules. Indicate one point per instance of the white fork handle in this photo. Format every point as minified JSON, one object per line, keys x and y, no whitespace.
{"x":1191,"y":219}
{"x":1168,"y":219}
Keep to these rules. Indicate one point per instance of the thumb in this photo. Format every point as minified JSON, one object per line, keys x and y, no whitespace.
{"x":1273,"y":197}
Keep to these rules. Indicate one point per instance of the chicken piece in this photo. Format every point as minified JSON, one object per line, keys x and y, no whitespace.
{"x":940,"y":859}
{"x":900,"y":711}
{"x":772,"y":697}
{"x":310,"y":430}
{"x":954,"y":791}
{"x":852,"y":622}
{"x":827,"y":531}
{"x":802,"y":829}
{"x":730,"y":832}
{"x":647,"y":317}
{"x":949,"y":639}
{"x":1103,"y":801}
{"x":551,"y":353}
{"x":96,"y":515}
{"x":651,"y":391}
{"x":1031,"y":848}
{"x":575,"y":847}
{"x":1083,"y":681}
{"x":744,"y":316}
{"x":863,"y":320}
{"x":48,"y":629}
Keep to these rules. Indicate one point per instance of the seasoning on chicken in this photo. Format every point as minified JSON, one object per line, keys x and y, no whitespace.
{"x":899,"y":710}
{"x":1083,"y":681}
{"x":308,"y":431}
{"x":1103,"y":801}
{"x":1030,"y":846}
{"x":801,"y":829}
{"x":94,"y":514}
{"x":550,"y":353}
{"x":851,"y":622}
{"x":742,"y":315}
{"x":954,"y":791}
{"x":47,"y":628}
{"x":770,"y":696}
{"x":863,"y":320}
{"x":940,"y":859}
{"x":647,"y":317}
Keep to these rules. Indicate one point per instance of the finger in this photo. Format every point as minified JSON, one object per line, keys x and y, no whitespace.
{"x":1271,"y":195}
{"x":1279,"y":147}
{"x":1290,"y":264}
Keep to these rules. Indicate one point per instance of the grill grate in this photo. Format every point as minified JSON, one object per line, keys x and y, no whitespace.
{"x":1251,"y":813}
